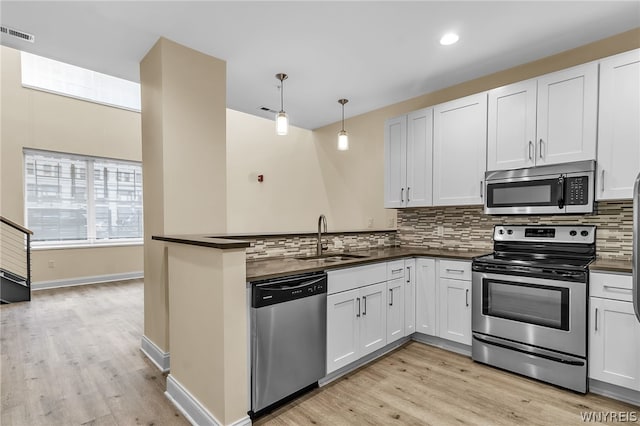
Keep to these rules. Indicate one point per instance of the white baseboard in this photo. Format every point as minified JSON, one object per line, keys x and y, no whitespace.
{"x":442,"y":343}
{"x":96,"y":279}
{"x":192,"y":409}
{"x":161,"y":359}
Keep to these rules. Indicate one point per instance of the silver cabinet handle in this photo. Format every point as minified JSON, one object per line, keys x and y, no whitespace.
{"x":408,"y":189}
{"x":395,"y":271}
{"x":364,"y":302}
{"x":460,"y":271}
{"x":391,"y":291}
{"x":596,"y":319}
{"x":481,"y":189}
{"x":358,"y":314}
{"x":602,"y":181}
{"x":402,"y":195}
{"x":466,"y":297}
{"x":541,"y":153}
{"x":530,"y":154}
{"x":408,"y":274}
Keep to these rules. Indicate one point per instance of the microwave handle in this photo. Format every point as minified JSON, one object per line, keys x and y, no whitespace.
{"x":561,"y":194}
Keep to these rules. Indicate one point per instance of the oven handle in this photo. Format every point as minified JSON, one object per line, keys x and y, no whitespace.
{"x":528,"y":350}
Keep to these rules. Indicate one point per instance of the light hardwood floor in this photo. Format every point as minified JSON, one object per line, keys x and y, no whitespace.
{"x":424,"y":385}
{"x":71,"y":357}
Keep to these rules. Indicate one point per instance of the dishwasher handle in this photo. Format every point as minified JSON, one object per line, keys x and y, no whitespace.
{"x":281,"y":290}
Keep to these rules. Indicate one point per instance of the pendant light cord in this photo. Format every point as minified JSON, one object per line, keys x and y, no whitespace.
{"x":281,"y":94}
{"x":343,"y":117}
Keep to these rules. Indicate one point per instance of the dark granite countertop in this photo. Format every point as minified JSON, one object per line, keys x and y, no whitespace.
{"x":202,"y":240}
{"x":260,"y":269}
{"x":610,"y":265}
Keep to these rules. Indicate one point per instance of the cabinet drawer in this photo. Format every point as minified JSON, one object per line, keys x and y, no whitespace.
{"x":454,"y":269}
{"x":395,"y":269}
{"x":611,"y":286}
{"x":358,"y":276}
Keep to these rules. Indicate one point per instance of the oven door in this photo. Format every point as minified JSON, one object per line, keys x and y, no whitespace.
{"x":539,"y":195}
{"x":539,"y":312}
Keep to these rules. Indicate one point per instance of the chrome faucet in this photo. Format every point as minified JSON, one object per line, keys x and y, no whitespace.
{"x":322,"y":221}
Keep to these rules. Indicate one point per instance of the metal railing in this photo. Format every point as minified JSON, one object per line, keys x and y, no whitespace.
{"x":15,"y":260}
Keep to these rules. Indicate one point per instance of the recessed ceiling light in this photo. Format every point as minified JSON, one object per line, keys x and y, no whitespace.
{"x":448,"y":39}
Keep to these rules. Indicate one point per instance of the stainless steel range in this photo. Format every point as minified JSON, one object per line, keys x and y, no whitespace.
{"x":530,"y":301}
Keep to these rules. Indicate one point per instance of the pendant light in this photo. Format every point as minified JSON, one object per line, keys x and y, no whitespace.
{"x":343,"y":138}
{"x":282,"y":119}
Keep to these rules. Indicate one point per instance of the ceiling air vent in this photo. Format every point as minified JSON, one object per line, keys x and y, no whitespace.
{"x":267,"y":109}
{"x":18,"y":34}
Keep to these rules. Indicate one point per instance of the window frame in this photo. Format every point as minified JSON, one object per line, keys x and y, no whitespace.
{"x":92,"y":240}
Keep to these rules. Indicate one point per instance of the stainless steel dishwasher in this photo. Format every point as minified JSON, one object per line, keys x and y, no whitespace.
{"x":288,"y":337}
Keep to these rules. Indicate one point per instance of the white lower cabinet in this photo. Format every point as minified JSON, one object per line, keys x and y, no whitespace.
{"x":395,"y":309}
{"x":455,"y":310}
{"x":614,"y":332}
{"x":373,"y":321}
{"x":343,"y":329}
{"x":426,"y":296}
{"x":357,"y":316}
{"x":454,"y":295}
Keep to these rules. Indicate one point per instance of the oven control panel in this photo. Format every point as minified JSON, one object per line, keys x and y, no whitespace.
{"x":577,"y":190}
{"x":541,"y":233}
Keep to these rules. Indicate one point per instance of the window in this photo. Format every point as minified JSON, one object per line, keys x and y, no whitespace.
{"x":73,"y":199}
{"x":68,"y":80}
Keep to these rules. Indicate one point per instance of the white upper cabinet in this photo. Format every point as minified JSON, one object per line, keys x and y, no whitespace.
{"x":512,"y":126}
{"x":548,"y":120}
{"x":420,"y":158}
{"x":567,"y":115}
{"x":459,"y":150}
{"x":395,"y":169}
{"x":408,"y":146}
{"x":619,"y":126}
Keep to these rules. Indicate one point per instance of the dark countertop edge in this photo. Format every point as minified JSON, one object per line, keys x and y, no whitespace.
{"x":199,"y":240}
{"x":403,"y":252}
{"x":299,"y":234}
{"x":611,"y":265}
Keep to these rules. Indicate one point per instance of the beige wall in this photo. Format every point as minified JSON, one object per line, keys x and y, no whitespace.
{"x":36,"y":119}
{"x":184,"y":155}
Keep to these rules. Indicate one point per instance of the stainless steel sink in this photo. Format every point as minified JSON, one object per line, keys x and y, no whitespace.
{"x":334,"y":257}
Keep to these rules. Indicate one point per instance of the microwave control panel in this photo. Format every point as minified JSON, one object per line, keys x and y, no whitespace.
{"x":577,"y":190}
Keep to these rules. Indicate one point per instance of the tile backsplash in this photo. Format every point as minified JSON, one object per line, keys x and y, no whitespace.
{"x":467,"y":227}
{"x":305,"y":244}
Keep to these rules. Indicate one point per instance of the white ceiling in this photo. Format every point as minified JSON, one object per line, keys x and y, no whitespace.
{"x":373,"y":53}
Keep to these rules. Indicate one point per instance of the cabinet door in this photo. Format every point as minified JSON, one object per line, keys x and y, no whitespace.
{"x":395,"y":154}
{"x":459,"y":150}
{"x":420,"y":158}
{"x":614,"y":343}
{"x":410,"y":297}
{"x":373,"y":321}
{"x":395,"y":309}
{"x":619,"y":126}
{"x":426,"y":296}
{"x":567,"y":114}
{"x":512,"y":126}
{"x":455,"y":310}
{"x":343,"y":329}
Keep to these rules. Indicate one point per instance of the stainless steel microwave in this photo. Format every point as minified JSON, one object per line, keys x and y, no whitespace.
{"x":553,"y":189}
